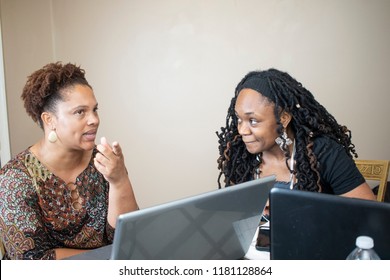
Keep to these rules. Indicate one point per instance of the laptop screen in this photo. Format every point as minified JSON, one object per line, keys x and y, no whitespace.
{"x":307,"y":225}
{"x":215,"y":225}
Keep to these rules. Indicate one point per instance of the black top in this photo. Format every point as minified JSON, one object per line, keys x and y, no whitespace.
{"x":338,"y":171}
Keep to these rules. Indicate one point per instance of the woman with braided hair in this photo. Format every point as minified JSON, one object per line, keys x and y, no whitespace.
{"x":276,"y":127}
{"x":62,"y":195}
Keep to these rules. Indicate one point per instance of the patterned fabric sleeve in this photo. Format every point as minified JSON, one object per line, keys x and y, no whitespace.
{"x":110,"y":231}
{"x":21,"y":226}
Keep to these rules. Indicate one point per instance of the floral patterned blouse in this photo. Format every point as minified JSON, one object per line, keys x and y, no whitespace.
{"x":40,"y":212}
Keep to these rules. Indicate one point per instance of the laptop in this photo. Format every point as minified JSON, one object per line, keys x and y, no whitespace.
{"x":317,"y":226}
{"x":219,"y":224}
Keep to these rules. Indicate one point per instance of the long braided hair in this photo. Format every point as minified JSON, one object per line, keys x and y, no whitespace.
{"x":309,"y":120}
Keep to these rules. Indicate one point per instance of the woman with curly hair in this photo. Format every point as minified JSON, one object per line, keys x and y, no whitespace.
{"x":276,"y":127}
{"x":62,"y":195}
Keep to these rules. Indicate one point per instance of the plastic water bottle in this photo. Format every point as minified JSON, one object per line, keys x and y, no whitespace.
{"x":364,"y":249}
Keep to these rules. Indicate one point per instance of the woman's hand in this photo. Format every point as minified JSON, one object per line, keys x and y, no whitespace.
{"x":110,"y":161}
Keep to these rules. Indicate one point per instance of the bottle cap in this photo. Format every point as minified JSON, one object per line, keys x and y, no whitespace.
{"x":364,"y":242}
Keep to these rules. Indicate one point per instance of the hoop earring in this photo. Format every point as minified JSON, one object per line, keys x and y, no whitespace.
{"x":52,"y":137}
{"x":283,"y":139}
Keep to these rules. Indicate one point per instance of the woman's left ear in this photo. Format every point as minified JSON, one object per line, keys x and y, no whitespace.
{"x":285,"y":118}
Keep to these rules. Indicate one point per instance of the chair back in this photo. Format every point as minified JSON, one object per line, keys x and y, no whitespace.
{"x":377,"y":170}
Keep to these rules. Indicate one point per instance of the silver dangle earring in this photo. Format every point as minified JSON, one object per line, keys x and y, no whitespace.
{"x":52,"y":137}
{"x":283,"y":139}
{"x":257,"y":171}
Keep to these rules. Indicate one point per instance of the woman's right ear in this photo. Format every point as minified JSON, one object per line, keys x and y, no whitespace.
{"x":47,"y":119}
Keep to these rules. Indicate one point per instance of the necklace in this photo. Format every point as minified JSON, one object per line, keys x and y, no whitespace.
{"x":257,"y":172}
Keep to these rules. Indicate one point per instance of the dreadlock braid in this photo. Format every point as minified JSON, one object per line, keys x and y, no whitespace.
{"x":309,"y":120}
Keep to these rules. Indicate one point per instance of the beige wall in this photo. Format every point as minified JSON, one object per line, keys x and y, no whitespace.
{"x":164,"y":72}
{"x":27,"y":37}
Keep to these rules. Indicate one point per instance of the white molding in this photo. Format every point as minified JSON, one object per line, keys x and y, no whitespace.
{"x":5,"y":149}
